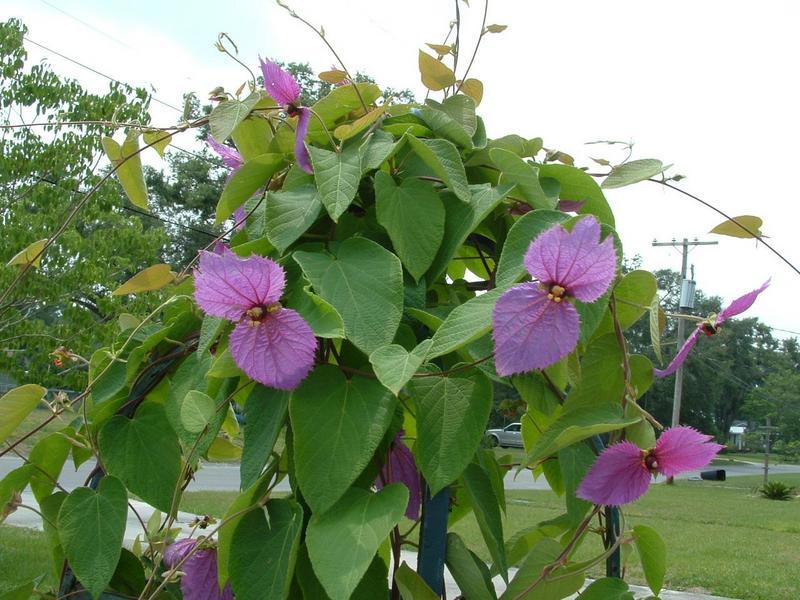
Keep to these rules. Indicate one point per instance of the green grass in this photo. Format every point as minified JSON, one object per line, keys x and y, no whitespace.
{"x":721,"y":537}
{"x":774,"y":459}
{"x":34,"y":419}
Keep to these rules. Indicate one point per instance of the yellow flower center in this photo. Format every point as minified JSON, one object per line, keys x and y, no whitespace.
{"x":556,"y":293}
{"x":257,"y":313}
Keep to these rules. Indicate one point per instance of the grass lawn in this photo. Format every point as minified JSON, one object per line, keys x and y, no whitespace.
{"x":35,"y":418}
{"x":721,"y":537}
{"x":753,"y":457}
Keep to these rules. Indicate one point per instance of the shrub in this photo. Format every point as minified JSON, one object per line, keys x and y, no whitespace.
{"x":777,"y":490}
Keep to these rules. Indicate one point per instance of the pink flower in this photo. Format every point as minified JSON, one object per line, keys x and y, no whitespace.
{"x":709,"y":327}
{"x":535,"y":324}
{"x":401,"y":468}
{"x":622,"y":472}
{"x":286,"y":91}
{"x":199,"y":580}
{"x":271,"y":344}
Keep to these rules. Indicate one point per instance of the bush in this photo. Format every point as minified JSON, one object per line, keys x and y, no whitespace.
{"x":777,"y":490}
{"x":791,"y":451}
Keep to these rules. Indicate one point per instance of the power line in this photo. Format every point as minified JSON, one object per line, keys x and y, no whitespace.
{"x":85,"y":24}
{"x":96,"y":72}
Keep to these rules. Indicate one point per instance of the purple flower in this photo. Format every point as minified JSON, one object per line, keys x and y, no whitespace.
{"x":283,"y":88}
{"x":535,"y":324}
{"x":622,"y":472}
{"x":271,"y":344}
{"x":709,"y":327}
{"x":401,"y":468}
{"x":199,"y":580}
{"x":231,"y":158}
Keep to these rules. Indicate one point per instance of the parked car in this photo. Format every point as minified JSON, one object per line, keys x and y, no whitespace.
{"x":508,"y":437}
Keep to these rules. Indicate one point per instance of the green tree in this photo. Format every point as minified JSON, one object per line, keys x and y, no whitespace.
{"x":44,"y":173}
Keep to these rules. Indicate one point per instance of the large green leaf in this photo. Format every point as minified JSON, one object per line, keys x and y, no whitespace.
{"x":653,"y":555}
{"x":487,"y":512}
{"x":49,"y":507}
{"x":469,"y":571}
{"x":106,"y":377}
{"x":511,"y":266}
{"x":576,"y":425}
{"x":602,"y":378}
{"x":324,"y":320}
{"x":576,"y":185}
{"x":337,"y":425}
{"x":454,"y":119}
{"x":443,"y":158}
{"x":412,"y":586}
{"x":13,"y":483}
{"x":634,"y":294}
{"x":264,"y":551}
{"x":265,"y":413}
{"x":451,"y":417}
{"x":144,"y":453}
{"x":395,"y":366}
{"x":227,"y":115}
{"x":17,"y":404}
{"x":338,"y":104}
{"x":413,"y":214}
{"x":466,"y":323}
{"x":47,"y":458}
{"x":633,"y":172}
{"x":91,"y":525}
{"x":359,"y":523}
{"x":128,"y":161}
{"x":364,"y":283}
{"x":251,"y":176}
{"x":607,"y":588}
{"x":461,"y":219}
{"x":379,"y":146}
{"x":236,"y":511}
{"x":560,"y":584}
{"x":337,"y":175}
{"x":515,"y":170}
{"x":197,"y":411}
{"x":574,"y":461}
{"x":290,"y":213}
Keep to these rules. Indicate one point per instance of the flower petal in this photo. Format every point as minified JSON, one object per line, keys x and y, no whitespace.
{"x":278,"y":351}
{"x":576,"y":259}
{"x":401,"y":468}
{"x":240,"y":218}
{"x":231,"y":158}
{"x":176,"y":551}
{"x":199,"y":581}
{"x":226,"y":285}
{"x":300,"y":150}
{"x":531,"y":331}
{"x":280,"y":85}
{"x":682,"y":449}
{"x":680,"y":357}
{"x":740,"y":305}
{"x":618,"y":476}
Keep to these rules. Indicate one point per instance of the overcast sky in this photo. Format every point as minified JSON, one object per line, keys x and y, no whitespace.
{"x":708,"y":86}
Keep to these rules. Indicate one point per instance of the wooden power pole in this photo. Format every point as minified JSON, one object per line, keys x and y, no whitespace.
{"x":686,"y":303}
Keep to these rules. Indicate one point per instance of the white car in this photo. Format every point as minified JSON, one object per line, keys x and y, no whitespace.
{"x":508,"y":437}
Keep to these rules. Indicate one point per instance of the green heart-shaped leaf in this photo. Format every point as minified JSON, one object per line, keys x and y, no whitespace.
{"x":395,"y":366}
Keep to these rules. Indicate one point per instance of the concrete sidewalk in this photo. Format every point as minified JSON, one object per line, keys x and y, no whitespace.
{"x":29,"y":519}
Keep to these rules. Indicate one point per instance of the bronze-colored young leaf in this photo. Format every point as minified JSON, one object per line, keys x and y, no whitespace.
{"x":30,"y":255}
{"x":333,"y":76}
{"x":440,"y":49}
{"x":495,"y":28}
{"x":743,"y":226}
{"x":151,"y":278}
{"x":435,"y":74}
{"x":473,"y":88}
{"x":129,"y":167}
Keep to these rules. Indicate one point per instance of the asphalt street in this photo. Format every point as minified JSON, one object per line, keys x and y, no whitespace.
{"x":225,"y":477}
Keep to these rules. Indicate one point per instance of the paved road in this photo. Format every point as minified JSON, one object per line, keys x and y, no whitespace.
{"x":225,"y":477}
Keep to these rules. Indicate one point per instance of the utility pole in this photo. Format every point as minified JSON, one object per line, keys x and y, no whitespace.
{"x":686,"y":303}
{"x":767,"y":445}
